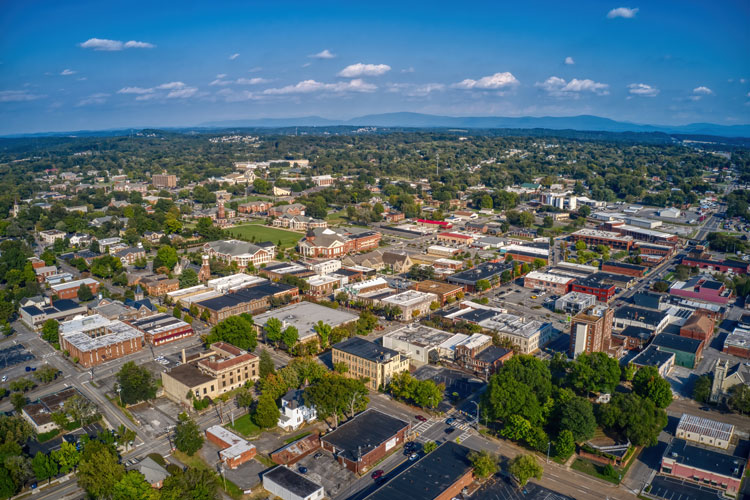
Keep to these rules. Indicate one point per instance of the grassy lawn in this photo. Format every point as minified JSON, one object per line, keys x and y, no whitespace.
{"x":592,"y":469}
{"x":298,"y":436}
{"x":245,"y":426}
{"x":263,"y":233}
{"x":336,"y":217}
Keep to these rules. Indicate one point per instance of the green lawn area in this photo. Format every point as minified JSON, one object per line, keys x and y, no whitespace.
{"x":592,"y":469}
{"x":264,"y":233}
{"x":337,"y":217}
{"x":245,"y":426}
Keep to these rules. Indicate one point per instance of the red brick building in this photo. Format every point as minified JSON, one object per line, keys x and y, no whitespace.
{"x":594,"y":237}
{"x":235,"y":450}
{"x":698,"y":326}
{"x":255,"y":207}
{"x":604,"y":292}
{"x":69,"y":290}
{"x":330,"y":242}
{"x":162,"y":328}
{"x":624,"y":268}
{"x":445,"y":291}
{"x":93,"y":340}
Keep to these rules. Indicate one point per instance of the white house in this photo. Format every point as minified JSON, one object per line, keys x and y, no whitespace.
{"x":294,"y":413}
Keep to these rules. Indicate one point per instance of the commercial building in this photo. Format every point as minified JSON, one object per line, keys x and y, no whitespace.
{"x":698,"y":326}
{"x":241,"y":252}
{"x":704,"y":431}
{"x":446,"y":292}
{"x":591,"y":331}
{"x":574,"y":302}
{"x":553,"y":283}
{"x":222,"y":369}
{"x":364,"y":440}
{"x":442,"y":251}
{"x":528,"y":334}
{"x":488,"y":361}
{"x":39,"y":413}
{"x":162,"y":328}
{"x":490,"y":271}
{"x":50,"y":236}
{"x":330,"y":242}
{"x":642,"y":234}
{"x":92,"y":340}
{"x":69,"y":290}
{"x":702,"y":287}
{"x":663,"y":361}
{"x":235,"y":451}
{"x":721,"y":266}
{"x":456,"y":238}
{"x":649,"y":319}
{"x":168,"y":181}
{"x":596,"y":286}
{"x":527,"y":253}
{"x":157,"y":286}
{"x":632,"y":338}
{"x":634,"y":270}
{"x":687,"y":351}
{"x":420,"y":343}
{"x":35,"y":315}
{"x":594,"y":237}
{"x":441,"y":475}
{"x":737,"y":343}
{"x":304,"y":316}
{"x":282,"y":482}
{"x":412,"y":303}
{"x":367,"y":359}
{"x":251,"y":300}
{"x":703,"y":466}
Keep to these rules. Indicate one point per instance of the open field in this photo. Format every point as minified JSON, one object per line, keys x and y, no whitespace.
{"x":264,"y":233}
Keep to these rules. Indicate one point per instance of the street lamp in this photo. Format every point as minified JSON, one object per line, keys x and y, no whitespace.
{"x":119,"y":395}
{"x":549,"y":445}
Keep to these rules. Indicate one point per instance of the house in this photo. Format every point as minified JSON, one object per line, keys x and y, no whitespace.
{"x":128,"y":256}
{"x":282,"y":482}
{"x":366,"y":439}
{"x":39,"y":413}
{"x":235,"y":451}
{"x":153,"y":473}
{"x":294,"y":412}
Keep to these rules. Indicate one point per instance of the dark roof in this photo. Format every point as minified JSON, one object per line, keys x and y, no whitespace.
{"x":652,"y":356}
{"x":648,"y":316}
{"x":266,"y":244}
{"x":635,"y":332}
{"x":481,"y":272}
{"x":677,"y":343}
{"x":492,"y":354}
{"x":713,"y":285}
{"x":705,"y":459}
{"x":137,"y":304}
{"x":243,"y":295}
{"x":348,"y":272}
{"x":613,"y":277}
{"x":624,"y":265}
{"x":364,"y":433}
{"x":291,"y":481}
{"x":429,"y":477}
{"x":593,"y":281}
{"x":189,"y":375}
{"x":357,"y":346}
{"x":477,"y":315}
{"x":65,"y":304}
{"x":647,"y":299}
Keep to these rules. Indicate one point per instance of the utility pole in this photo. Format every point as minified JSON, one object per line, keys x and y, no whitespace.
{"x":549,"y":444}
{"x":437,"y":165}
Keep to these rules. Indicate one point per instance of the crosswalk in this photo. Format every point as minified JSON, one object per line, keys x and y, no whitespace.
{"x":423,"y":427}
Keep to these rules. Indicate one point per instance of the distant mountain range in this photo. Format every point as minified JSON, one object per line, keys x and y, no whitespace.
{"x":419,"y":120}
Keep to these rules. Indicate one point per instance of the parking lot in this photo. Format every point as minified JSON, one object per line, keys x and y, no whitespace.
{"x":326,"y":471}
{"x":501,"y":488}
{"x":157,"y":416}
{"x":676,"y":489}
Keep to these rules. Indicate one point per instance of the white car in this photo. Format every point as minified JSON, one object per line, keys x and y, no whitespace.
{"x":5,"y":378}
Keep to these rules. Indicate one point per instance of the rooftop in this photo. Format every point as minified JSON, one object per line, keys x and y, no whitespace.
{"x":514,"y":325}
{"x":483,"y":271}
{"x":705,"y":427}
{"x":740,"y":337}
{"x":109,"y":332}
{"x":304,"y":315}
{"x":578,"y":298}
{"x":364,"y":433}
{"x":652,"y":356}
{"x":550,"y":278}
{"x":677,"y":342}
{"x":189,"y":375}
{"x":410,"y":298}
{"x":595,"y":233}
{"x":420,"y":335}
{"x":158,"y":323}
{"x":704,"y":459}
{"x":74,"y":284}
{"x":290,"y":480}
{"x":647,"y":316}
{"x":234,"y":281}
{"x":362,"y":348}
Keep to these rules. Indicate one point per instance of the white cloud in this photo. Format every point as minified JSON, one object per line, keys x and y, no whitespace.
{"x":569,"y":60}
{"x":182,"y":93}
{"x":67,"y":72}
{"x":702,"y":90}
{"x":643,"y":89}
{"x":250,"y":81}
{"x":234,"y":56}
{"x":133,"y":44}
{"x":323,"y":54}
{"x":99,"y":98}
{"x":231,"y":95}
{"x":360,"y":69}
{"x":492,"y":82}
{"x":18,"y":96}
{"x":221,"y":75}
{"x":135,"y":90}
{"x":623,"y":12}
{"x":113,"y":45}
{"x":558,"y":87}
{"x":311,"y":86}
{"x":171,"y":86}
{"x":742,"y":80}
{"x":415,"y":90}
{"x":410,"y":69}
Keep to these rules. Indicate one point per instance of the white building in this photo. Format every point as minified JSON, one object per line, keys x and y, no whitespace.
{"x":284,"y":483}
{"x":412,"y":303}
{"x":294,"y":412}
{"x":326,"y":267}
{"x":419,"y":343}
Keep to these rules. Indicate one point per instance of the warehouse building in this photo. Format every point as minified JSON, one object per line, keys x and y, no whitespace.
{"x":282,"y":482}
{"x":687,"y":351}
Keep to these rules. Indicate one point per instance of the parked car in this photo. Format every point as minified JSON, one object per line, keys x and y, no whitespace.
{"x":302,"y":470}
{"x":317,"y":455}
{"x":418,"y":417}
{"x":413,"y":457}
{"x":450,"y":420}
{"x":450,"y":430}
{"x":5,"y":378}
{"x":377,"y":474}
{"x":705,"y":408}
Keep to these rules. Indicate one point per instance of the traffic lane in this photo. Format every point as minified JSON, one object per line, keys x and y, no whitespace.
{"x":391,"y":465}
{"x":389,"y":407}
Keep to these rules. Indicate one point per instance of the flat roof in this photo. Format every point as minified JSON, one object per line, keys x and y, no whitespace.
{"x":577,"y":298}
{"x":420,"y":335}
{"x":74,"y":284}
{"x":188,"y":374}
{"x":550,"y":278}
{"x":158,"y":323}
{"x":596,"y":233}
{"x":514,"y":325}
{"x":410,"y":297}
{"x":304,"y":315}
{"x":652,"y":356}
{"x":483,"y":271}
{"x":704,"y":459}
{"x":429,"y":477}
{"x":647,"y":316}
{"x":677,"y":342}
{"x":705,"y":427}
{"x":364,"y":433}
{"x":740,"y":337}
{"x":291,"y":481}
{"x":624,"y":265}
{"x":361,"y":348}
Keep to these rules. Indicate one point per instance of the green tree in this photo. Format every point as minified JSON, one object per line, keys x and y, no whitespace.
{"x":595,"y":372}
{"x":290,"y":336}
{"x":14,"y":429}
{"x":483,"y":285}
{"x":133,"y":485}
{"x":335,"y":396}
{"x":484,"y":463}
{"x":80,"y":409}
{"x":628,"y":372}
{"x":46,"y":374}
{"x":265,"y":364}
{"x":99,"y":472}
{"x":580,"y":245}
{"x":188,"y":278}
{"x":193,"y":484}
{"x":236,"y":330}
{"x":548,"y":221}
{"x":266,"y":413}
{"x":50,"y":331}
{"x":648,"y":383}
{"x":44,"y":466}
{"x":244,"y":398}
{"x":84,"y":293}
{"x":177,"y":312}
{"x":187,"y":435}
{"x":702,"y":388}
{"x":639,"y":419}
{"x":273,"y":330}
{"x":524,"y":467}
{"x":136,"y":383}
{"x":18,"y":400}
{"x":166,"y":256}
{"x":565,"y":445}
{"x":7,"y":486}
{"x":577,"y":416}
{"x":739,"y":398}
{"x":516,"y":428}
{"x":522,"y":387}
{"x":324,"y":332}
{"x":430,"y":446}
{"x":66,"y":457}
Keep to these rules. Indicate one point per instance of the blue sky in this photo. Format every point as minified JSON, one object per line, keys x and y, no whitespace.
{"x":96,"y":65}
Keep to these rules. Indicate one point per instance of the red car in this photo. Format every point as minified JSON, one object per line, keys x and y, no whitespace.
{"x":420,"y":418}
{"x":377,"y":474}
